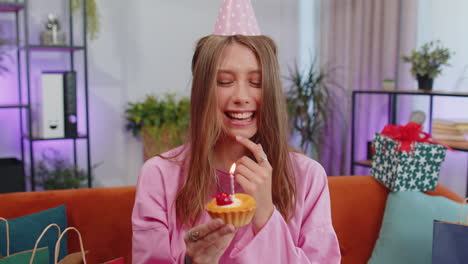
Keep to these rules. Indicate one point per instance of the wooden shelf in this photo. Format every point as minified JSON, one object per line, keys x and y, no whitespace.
{"x":364,"y":163}
{"x":413,"y":92}
{"x":10,"y":7}
{"x":13,"y":106}
{"x":457,"y":145}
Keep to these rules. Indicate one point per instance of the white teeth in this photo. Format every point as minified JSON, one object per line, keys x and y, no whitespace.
{"x":241,"y":115}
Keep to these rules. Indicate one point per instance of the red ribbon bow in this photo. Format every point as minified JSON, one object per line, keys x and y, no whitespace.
{"x":406,"y":135}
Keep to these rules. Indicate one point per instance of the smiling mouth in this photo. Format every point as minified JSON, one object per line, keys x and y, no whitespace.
{"x":244,"y":116}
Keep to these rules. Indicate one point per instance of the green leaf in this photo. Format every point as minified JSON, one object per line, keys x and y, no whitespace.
{"x":55,"y":172}
{"x":428,"y":59}
{"x":92,"y":15}
{"x":157,"y":112}
{"x":309,"y":102}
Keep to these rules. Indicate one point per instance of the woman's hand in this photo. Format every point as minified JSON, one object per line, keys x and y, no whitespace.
{"x":206,"y":243}
{"x":255,"y":179}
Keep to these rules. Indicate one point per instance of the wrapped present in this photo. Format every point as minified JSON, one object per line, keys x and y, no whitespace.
{"x":406,"y":159}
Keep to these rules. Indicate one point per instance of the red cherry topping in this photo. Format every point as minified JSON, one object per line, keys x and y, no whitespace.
{"x":223,"y":198}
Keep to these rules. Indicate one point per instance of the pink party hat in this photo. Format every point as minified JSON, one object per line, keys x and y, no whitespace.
{"x":236,"y":17}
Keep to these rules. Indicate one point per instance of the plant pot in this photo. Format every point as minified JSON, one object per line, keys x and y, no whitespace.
{"x":159,"y":140}
{"x":424,"y":82}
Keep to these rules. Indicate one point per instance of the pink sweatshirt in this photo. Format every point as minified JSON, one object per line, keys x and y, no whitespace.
{"x":308,"y":237}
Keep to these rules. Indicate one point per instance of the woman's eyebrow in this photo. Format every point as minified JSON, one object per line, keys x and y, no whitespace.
{"x":224,"y":71}
{"x":229,"y":71}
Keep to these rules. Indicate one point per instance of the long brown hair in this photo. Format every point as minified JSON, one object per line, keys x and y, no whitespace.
{"x":204,"y":132}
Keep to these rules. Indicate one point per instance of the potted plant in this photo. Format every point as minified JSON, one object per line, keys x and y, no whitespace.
{"x":388,"y":84}
{"x":427,"y":63}
{"x":309,"y":101}
{"x":54,"y":172}
{"x":92,"y":16}
{"x":160,"y":122}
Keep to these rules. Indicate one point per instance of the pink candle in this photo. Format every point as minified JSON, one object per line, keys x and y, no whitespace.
{"x":231,"y":174}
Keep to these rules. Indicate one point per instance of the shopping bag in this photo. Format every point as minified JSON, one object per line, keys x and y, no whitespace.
{"x":33,"y":256}
{"x":74,"y":258}
{"x":24,"y":257}
{"x":115,"y":261}
{"x":41,"y":255}
{"x":450,"y":241}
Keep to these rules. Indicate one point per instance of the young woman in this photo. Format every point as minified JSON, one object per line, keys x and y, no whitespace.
{"x":238,"y":114}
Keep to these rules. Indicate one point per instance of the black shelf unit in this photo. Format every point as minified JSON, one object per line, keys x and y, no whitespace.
{"x":49,"y":139}
{"x":14,"y":106}
{"x":392,"y":97}
{"x":19,"y":8}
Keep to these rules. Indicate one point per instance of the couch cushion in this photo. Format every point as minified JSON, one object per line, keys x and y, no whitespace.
{"x":25,"y":230}
{"x":406,"y":233}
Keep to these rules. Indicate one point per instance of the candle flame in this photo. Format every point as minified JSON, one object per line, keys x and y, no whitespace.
{"x":233,"y":168}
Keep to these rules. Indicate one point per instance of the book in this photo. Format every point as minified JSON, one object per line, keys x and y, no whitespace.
{"x":462,"y":127}
{"x":450,"y":123}
{"x":449,"y":137}
{"x":450,"y":126}
{"x":455,"y":131}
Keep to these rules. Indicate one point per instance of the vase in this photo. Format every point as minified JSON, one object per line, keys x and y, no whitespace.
{"x":53,"y":38}
{"x":424,"y":82}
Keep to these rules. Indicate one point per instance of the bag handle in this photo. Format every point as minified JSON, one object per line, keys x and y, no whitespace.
{"x":39,"y":239}
{"x":7,"y":231}
{"x":460,"y":214}
{"x":57,"y":245}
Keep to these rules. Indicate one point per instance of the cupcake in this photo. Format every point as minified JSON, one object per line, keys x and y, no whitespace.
{"x":238,"y":211}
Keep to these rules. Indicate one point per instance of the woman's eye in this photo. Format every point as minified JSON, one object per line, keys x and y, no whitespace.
{"x":256,"y":84}
{"x":224,"y":82}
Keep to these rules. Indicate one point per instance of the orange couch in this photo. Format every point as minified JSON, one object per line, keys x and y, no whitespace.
{"x":103,"y":215}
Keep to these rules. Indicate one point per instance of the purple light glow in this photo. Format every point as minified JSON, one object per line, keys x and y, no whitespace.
{"x":371,"y":117}
{"x":10,"y":136}
{"x":10,"y":7}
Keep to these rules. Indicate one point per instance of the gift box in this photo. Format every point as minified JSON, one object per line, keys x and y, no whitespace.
{"x":406,"y":159}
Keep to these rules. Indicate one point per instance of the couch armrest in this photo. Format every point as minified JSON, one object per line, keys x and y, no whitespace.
{"x":102,"y":215}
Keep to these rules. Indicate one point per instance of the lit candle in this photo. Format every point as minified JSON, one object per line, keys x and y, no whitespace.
{"x":231,"y":174}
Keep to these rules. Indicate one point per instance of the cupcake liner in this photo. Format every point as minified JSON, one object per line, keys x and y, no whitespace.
{"x":237,"y":219}
{"x":237,"y":216}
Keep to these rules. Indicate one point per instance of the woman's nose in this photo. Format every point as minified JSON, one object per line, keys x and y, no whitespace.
{"x":241,"y":93}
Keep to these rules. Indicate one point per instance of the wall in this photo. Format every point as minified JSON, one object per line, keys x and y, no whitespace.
{"x":146,"y":47}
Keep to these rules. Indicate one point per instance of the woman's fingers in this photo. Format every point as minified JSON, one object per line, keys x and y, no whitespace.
{"x":248,"y":186}
{"x":246,"y":172}
{"x":200,"y":231}
{"x":251,"y":170}
{"x":214,"y":236}
{"x":221,"y":243}
{"x":256,"y":149}
{"x":249,"y":163}
{"x":210,"y":252}
{"x":212,"y":245}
